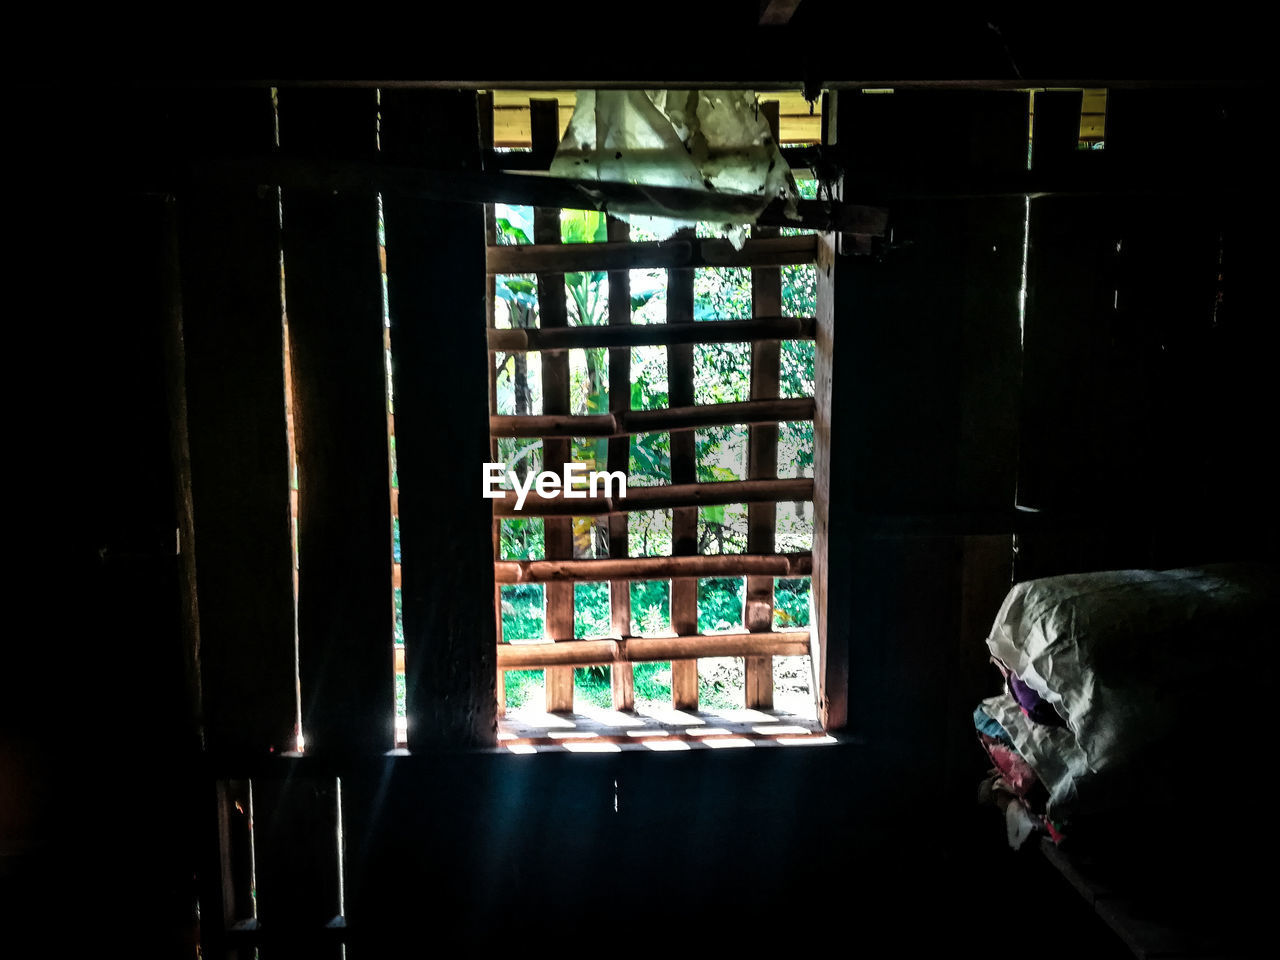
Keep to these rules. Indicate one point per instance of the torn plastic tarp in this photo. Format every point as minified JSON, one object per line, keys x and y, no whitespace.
{"x":714,"y":142}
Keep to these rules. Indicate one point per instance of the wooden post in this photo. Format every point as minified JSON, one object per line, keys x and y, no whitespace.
{"x":232,"y":333}
{"x":484,"y":109}
{"x":552,"y":312}
{"x":829,"y":648}
{"x":334,"y":301}
{"x":622,"y":676}
{"x":436,"y":285}
{"x":766,"y":300}
{"x":684,"y":520}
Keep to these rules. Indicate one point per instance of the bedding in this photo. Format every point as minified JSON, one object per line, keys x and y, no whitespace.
{"x":1114,"y":685}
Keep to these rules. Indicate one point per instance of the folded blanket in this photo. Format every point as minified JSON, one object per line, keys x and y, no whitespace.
{"x":1050,"y":751}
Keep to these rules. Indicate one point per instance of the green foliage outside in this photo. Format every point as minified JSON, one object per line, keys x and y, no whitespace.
{"x":721,"y":374}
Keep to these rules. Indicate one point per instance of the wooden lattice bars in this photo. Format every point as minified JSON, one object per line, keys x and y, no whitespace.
{"x":680,"y":251}
{"x":765,"y":253}
{"x":684,"y":520}
{"x":762,"y":463}
{"x":621,"y":675}
{"x":552,"y":314}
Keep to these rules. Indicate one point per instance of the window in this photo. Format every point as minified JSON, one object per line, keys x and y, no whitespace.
{"x":688,"y":366}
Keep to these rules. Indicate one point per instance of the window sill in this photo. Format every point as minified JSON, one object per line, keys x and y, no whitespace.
{"x":655,"y":729}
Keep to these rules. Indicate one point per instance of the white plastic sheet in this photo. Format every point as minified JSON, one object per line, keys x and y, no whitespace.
{"x":1131,"y":660}
{"x":709,"y":141}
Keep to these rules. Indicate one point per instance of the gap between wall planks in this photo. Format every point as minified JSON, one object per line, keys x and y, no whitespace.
{"x":552,"y":313}
{"x":621,"y":675}
{"x":766,"y":300}
{"x":333,"y":292}
{"x":684,"y":520}
{"x":436,"y":285}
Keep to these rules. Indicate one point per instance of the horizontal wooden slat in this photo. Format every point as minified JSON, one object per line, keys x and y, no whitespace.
{"x":469,"y":186}
{"x":697,"y":252}
{"x":654,"y":568}
{"x":664,"y":497}
{"x":651,"y":421}
{"x":555,"y":425}
{"x":651,"y":334}
{"x":582,"y":653}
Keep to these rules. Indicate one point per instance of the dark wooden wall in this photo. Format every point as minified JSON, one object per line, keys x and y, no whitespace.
{"x":942,"y":418}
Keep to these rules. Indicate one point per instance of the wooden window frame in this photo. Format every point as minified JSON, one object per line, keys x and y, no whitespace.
{"x":758,"y":642}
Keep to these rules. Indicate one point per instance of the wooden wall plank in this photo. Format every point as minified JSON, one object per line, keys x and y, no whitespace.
{"x":234,"y":901}
{"x":234,"y":348}
{"x":684,"y":520}
{"x":832,"y":530}
{"x":552,"y":312}
{"x":1067,"y":360}
{"x":920,"y":414}
{"x":1134,"y":391}
{"x":766,"y":300}
{"x":436,"y":286}
{"x":622,"y":676}
{"x":334,"y":301}
{"x":1056,"y":129}
{"x":296,"y":859}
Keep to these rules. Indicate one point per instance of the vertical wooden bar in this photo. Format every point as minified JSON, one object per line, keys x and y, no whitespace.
{"x":552,"y":312}
{"x":684,"y":520}
{"x":233,"y":340}
{"x":436,"y":284}
{"x":622,"y":675}
{"x":829,"y":619}
{"x":484,"y":112}
{"x":766,"y":301}
{"x":334,"y":301}
{"x":829,"y":644}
